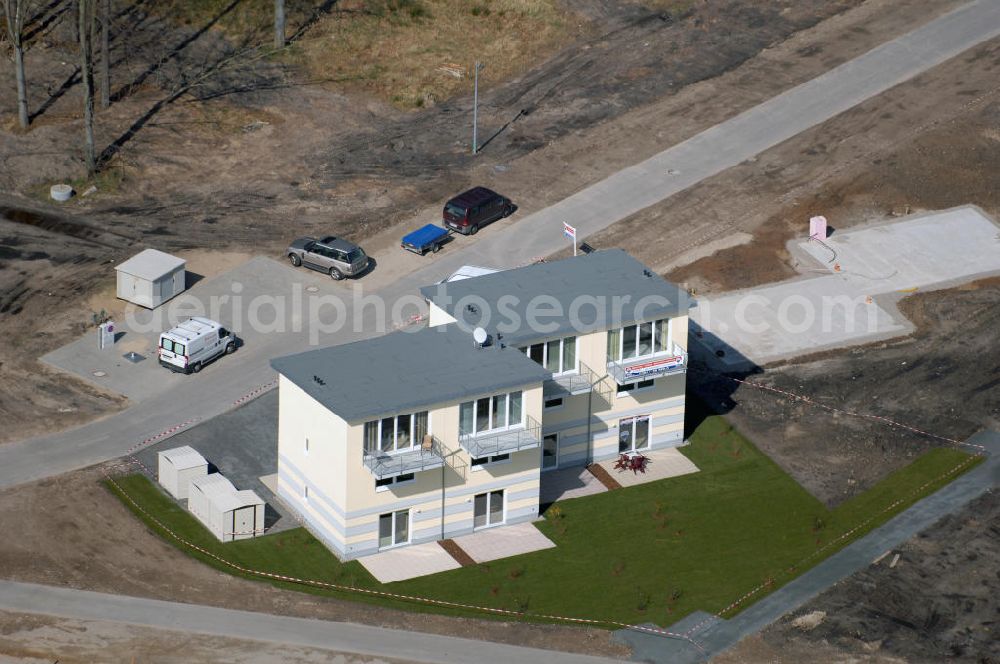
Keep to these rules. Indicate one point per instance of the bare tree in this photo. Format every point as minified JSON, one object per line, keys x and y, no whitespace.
{"x":279,"y":23}
{"x":85,"y":17}
{"x":105,"y":53}
{"x":15,"y":13}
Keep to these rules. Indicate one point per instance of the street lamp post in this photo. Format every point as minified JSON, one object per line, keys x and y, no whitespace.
{"x":475,"y":109}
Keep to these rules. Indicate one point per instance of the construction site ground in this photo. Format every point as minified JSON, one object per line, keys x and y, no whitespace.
{"x":929,"y":144}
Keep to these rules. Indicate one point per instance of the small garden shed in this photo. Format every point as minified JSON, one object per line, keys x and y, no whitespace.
{"x":150,"y":278}
{"x":177,"y":467}
{"x":227,"y":513}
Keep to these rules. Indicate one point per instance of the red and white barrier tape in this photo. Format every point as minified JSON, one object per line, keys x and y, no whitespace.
{"x":396,"y":596}
{"x":494,"y":610}
{"x":833,"y":409}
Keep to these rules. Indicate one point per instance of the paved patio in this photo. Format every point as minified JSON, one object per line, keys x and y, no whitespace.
{"x":569,"y":483}
{"x":503,"y":542}
{"x":662,"y":464}
{"x":409,"y":562}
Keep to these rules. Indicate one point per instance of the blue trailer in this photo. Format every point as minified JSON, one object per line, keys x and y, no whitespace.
{"x":428,"y":238}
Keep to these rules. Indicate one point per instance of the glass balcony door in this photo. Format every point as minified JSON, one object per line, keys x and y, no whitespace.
{"x":394,"y":529}
{"x":633,"y":434}
{"x":488,"y":509}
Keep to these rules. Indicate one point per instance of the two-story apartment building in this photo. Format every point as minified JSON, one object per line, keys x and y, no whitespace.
{"x":612,"y":333}
{"x":416,"y":436}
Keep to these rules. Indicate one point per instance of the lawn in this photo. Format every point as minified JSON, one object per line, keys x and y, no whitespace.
{"x":651,"y":553}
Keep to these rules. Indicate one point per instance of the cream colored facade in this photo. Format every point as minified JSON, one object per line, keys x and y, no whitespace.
{"x":587,"y":425}
{"x":327,"y":482}
{"x":323,"y":475}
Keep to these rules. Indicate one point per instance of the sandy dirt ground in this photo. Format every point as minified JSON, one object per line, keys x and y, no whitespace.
{"x":257,"y":167}
{"x":37,"y":639}
{"x":116,"y":553}
{"x":942,"y":379}
{"x":927,"y":144}
{"x":939,"y":603}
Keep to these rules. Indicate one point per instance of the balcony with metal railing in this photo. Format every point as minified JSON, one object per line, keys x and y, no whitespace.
{"x":492,"y":443}
{"x":672,"y":361}
{"x":424,"y":456}
{"x":568,"y":384}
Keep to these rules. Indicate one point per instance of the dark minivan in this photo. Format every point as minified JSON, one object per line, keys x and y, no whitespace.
{"x":479,"y":206}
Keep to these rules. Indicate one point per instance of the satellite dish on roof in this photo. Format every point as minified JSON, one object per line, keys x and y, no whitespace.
{"x":480,"y":336}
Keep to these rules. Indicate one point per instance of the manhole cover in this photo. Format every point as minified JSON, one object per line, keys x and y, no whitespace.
{"x":100,"y":374}
{"x":312,"y":289}
{"x":134,"y":357}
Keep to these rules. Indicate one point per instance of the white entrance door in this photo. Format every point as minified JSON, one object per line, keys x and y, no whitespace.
{"x":488,"y":509}
{"x":633,"y":434}
{"x":243,"y":522}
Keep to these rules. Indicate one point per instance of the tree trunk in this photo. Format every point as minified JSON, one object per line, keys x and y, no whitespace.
{"x":87,"y":75}
{"x":22,"y":86}
{"x":105,"y":53}
{"x":14,"y":15}
{"x":279,"y":23}
{"x":75,"y":12}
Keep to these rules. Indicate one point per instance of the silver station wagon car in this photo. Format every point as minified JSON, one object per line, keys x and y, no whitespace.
{"x":331,"y":255}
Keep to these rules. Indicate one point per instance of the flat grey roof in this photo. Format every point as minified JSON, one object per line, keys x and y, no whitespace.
{"x":406,"y":371}
{"x":590,"y":292}
{"x":151,"y":264}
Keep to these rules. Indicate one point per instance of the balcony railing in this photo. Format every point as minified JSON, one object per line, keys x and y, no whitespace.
{"x":422,"y":457}
{"x":665,"y":363}
{"x":578,"y":382}
{"x":491,"y":443}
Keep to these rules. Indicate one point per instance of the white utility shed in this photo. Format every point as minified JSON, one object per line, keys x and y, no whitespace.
{"x":150,"y":278}
{"x":227,"y":513}
{"x":177,"y":467}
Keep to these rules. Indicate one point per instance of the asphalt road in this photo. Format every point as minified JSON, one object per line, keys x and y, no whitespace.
{"x":592,"y":209}
{"x":335,"y":637}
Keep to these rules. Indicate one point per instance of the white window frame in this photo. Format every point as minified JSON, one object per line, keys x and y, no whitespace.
{"x":562,"y":346}
{"x":634,"y":389}
{"x":649,"y":439}
{"x":491,"y":460}
{"x":414,"y":444}
{"x":409,"y":529}
{"x":656,"y":327}
{"x":506,"y":406}
{"x":503,"y":512}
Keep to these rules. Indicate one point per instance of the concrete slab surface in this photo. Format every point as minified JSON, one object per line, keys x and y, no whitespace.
{"x":567,"y":483}
{"x":662,"y":464}
{"x":863,"y":271}
{"x":917,"y":252}
{"x":504,"y":542}
{"x":241,"y":299}
{"x":409,"y":562}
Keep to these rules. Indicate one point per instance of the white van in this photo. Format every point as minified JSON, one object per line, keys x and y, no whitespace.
{"x":194,"y":343}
